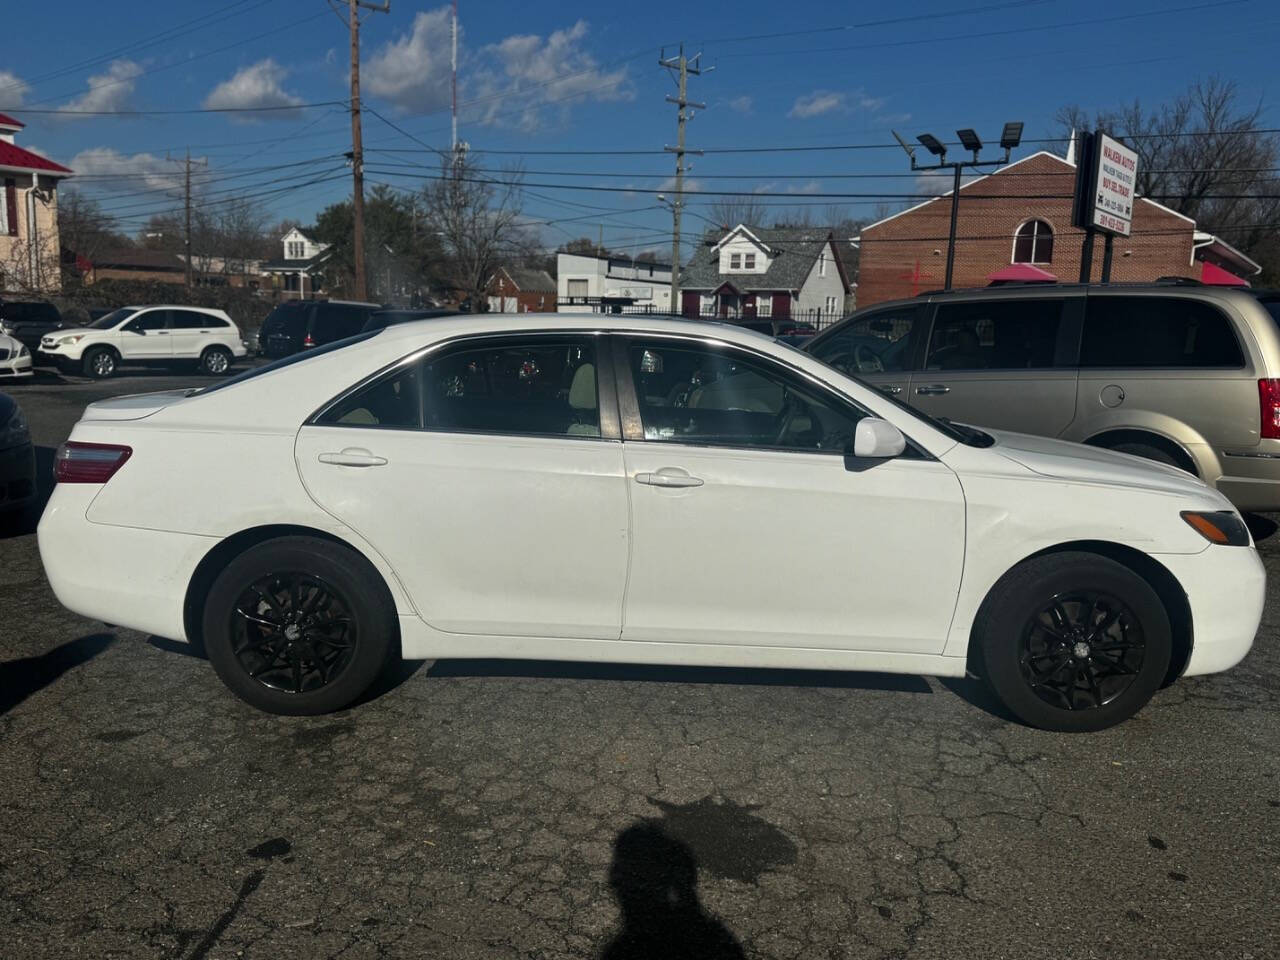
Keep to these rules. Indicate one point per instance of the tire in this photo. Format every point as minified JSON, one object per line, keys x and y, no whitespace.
{"x":100,"y":363}
{"x":215,"y":361}
{"x":1054,"y":669}
{"x":242,"y":637}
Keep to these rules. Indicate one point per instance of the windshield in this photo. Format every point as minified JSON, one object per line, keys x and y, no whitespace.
{"x":112,"y":318}
{"x":284,"y":362}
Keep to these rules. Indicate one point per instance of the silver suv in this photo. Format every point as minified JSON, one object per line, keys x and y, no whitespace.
{"x":1185,"y":375}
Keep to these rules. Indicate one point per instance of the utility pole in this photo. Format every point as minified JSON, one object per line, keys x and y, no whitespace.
{"x":680,"y":66}
{"x":357,"y":147}
{"x":186,"y":205}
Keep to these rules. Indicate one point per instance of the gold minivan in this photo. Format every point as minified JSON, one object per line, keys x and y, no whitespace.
{"x":1184,"y":375}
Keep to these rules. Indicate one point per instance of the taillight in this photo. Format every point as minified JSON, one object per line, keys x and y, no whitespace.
{"x":308,"y":341}
{"x":1269,"y":405}
{"x":89,"y":462}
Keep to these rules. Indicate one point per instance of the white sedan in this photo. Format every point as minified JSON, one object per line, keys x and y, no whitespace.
{"x":15,"y":358}
{"x":633,"y":490}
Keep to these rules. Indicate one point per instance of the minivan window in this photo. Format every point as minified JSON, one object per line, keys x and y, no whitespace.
{"x":995,"y":335}
{"x":878,"y":343}
{"x":1157,"y":332}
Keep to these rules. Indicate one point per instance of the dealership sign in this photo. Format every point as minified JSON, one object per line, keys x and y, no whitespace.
{"x":1105,"y":185}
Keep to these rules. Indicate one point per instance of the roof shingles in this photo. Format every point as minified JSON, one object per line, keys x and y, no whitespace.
{"x":793,"y":251}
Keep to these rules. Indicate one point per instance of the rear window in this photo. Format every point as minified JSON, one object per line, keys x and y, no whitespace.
{"x":1157,"y":332}
{"x":288,"y":319}
{"x":336,"y":320}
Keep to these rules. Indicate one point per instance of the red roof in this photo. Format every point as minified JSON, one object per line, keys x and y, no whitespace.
{"x":1214,"y":275}
{"x":12,"y":155}
{"x":8,"y":121}
{"x":1022,"y":273}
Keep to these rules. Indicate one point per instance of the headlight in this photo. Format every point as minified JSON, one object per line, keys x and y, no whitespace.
{"x":76,"y":339}
{"x":1222,"y":527}
{"x":15,"y":431}
{"x":22,"y":351}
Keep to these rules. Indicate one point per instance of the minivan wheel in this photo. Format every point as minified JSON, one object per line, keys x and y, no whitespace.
{"x":100,"y":363}
{"x":298,"y":626}
{"x":1073,"y":642}
{"x":215,"y":361}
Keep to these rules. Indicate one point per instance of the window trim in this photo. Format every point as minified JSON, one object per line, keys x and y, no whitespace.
{"x":606,"y":390}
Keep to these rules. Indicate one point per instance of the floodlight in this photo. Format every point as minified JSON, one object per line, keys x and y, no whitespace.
{"x":1011,"y":136}
{"x":933,"y":144}
{"x":969,"y":140}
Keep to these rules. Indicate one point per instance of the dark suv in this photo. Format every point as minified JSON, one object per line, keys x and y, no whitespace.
{"x":301,"y":324}
{"x":28,"y":321}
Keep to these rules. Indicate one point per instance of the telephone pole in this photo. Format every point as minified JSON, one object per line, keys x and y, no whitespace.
{"x":186,"y":205}
{"x":357,"y":148}
{"x":680,"y":66}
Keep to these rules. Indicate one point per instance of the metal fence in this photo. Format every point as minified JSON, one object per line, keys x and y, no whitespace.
{"x":817,"y":319}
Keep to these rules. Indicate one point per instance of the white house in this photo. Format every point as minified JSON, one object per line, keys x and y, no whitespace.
{"x":298,"y":271}
{"x":595,"y":284}
{"x":30,"y":247}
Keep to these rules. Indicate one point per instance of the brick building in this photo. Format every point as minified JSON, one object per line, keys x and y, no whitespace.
{"x":1021,"y":214}
{"x":520,"y":290}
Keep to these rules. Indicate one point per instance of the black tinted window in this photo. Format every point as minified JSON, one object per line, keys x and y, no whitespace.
{"x":190,"y":320}
{"x":286,"y":320}
{"x":1157,"y":332}
{"x":707,"y":395}
{"x":393,"y":401}
{"x":151,"y":320}
{"x":525,"y":386}
{"x":334,"y":321}
{"x":880,"y":342}
{"x":999,"y":335}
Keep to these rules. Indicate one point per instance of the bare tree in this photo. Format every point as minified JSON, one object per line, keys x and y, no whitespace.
{"x":82,"y":226}
{"x":242,"y":224}
{"x":479,"y":223}
{"x":745,"y":208}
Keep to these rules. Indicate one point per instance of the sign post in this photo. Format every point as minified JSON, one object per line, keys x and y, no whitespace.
{"x":1105,"y":183}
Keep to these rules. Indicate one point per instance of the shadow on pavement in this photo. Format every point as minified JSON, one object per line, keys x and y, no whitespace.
{"x":745,"y":676}
{"x":21,"y":678}
{"x":1262,"y":527}
{"x":976,"y":693}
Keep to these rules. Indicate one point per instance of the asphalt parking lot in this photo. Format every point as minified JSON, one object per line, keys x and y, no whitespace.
{"x":502,"y":809}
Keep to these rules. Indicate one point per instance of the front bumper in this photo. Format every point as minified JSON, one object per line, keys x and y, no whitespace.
{"x":17,"y":477}
{"x":1226,"y":588}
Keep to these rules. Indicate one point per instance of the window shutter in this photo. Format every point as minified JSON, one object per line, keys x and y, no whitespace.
{"x":11,"y":205}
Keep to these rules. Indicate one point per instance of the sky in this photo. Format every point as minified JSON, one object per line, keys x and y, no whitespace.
{"x":535,"y":77}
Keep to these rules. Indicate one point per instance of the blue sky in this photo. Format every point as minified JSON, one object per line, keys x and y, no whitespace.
{"x":575,"y":76}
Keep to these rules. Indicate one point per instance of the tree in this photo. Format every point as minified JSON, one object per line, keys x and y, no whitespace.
{"x":479,"y":224}
{"x":82,"y":226}
{"x":241,"y":227}
{"x":745,"y":208}
{"x":1206,"y":156}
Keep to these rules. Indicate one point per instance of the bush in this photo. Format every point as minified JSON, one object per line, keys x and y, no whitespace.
{"x":244,"y":306}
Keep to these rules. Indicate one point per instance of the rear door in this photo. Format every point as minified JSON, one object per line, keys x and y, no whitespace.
{"x":1001,"y":363}
{"x":877,"y":347}
{"x":189,"y":331}
{"x":146,"y":336}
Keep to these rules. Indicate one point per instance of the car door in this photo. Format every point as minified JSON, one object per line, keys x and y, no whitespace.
{"x":189,"y":331}
{"x":750,"y":525}
{"x":146,"y":336}
{"x":877,"y":347}
{"x":488,"y":473}
{"x":1001,"y":363}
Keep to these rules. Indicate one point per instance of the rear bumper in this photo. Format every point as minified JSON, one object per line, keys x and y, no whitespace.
{"x":17,"y":477}
{"x":124,"y":576}
{"x":1226,"y":588}
{"x":1251,"y":480}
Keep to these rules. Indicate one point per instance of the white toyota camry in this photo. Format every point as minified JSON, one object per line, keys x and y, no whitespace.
{"x":633,"y":490}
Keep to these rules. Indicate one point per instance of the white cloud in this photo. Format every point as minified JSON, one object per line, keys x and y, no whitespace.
{"x":145,"y":170}
{"x":936,"y":183}
{"x":108,"y":91}
{"x":741,"y":105}
{"x":413,"y":71}
{"x":669,"y":184}
{"x":12,"y":89}
{"x":255,"y":86}
{"x":817,"y":103}
{"x":809,"y":186}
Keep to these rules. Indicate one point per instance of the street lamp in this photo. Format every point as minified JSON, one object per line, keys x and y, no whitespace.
{"x":1010,"y":137}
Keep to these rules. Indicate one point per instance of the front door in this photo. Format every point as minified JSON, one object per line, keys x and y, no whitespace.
{"x":877,"y":348}
{"x":750,"y":525}
{"x":488,"y":478}
{"x":146,"y":336}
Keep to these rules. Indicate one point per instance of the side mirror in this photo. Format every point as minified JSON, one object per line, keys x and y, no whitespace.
{"x":876,"y":438}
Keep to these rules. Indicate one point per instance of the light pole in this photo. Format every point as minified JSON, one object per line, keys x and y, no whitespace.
{"x":1010,"y":137}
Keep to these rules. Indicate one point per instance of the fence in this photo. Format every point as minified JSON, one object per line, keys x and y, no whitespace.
{"x":817,"y":319}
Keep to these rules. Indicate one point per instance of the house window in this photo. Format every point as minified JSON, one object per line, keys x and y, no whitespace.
{"x":735,"y":261}
{"x":831,"y":304}
{"x":822,"y":264}
{"x":764,"y":305}
{"x":749,"y":261}
{"x":707,"y":304}
{"x":1033,"y":243}
{"x":295,"y":251}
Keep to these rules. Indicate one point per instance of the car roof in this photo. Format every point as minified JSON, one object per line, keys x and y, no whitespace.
{"x":1035,"y":291}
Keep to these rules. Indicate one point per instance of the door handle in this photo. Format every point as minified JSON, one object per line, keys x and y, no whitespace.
{"x":891,"y":389}
{"x":934,"y":389}
{"x":668,"y":477}
{"x":161,"y":333}
{"x":352,"y":457}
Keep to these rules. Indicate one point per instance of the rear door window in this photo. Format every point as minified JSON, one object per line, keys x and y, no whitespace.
{"x":1157,"y":332}
{"x":995,"y":335}
{"x":190,"y":320}
{"x":877,"y":343}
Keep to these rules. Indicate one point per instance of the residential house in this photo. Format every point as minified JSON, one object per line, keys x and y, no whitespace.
{"x":299,"y":273}
{"x":521,"y":290}
{"x":604,"y":284}
{"x":127,"y":263}
{"x":29,"y":245}
{"x":781,"y":273}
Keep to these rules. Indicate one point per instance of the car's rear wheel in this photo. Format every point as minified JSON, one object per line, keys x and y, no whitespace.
{"x":299,"y":625}
{"x":100,"y":363}
{"x":1074,"y":641}
{"x":215,"y":361}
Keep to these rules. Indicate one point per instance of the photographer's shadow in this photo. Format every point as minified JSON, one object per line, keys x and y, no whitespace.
{"x":655,"y":878}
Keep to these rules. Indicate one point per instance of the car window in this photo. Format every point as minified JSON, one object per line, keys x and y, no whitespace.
{"x":151,"y":320}
{"x":709,"y":395}
{"x":999,"y":335}
{"x":288,"y":319}
{"x":108,"y":321}
{"x":878,"y":343}
{"x":535,"y":386}
{"x":1157,"y":332}
{"x":335,"y":320}
{"x":190,"y":320}
{"x":393,"y":401}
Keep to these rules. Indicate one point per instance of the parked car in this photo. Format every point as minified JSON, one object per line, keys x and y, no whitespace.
{"x":387,"y":318}
{"x":593,"y":488}
{"x":153,"y":335}
{"x":17,"y":459}
{"x":28,"y":320}
{"x":15,"y":358}
{"x":303,"y":324}
{"x":1183,"y":375}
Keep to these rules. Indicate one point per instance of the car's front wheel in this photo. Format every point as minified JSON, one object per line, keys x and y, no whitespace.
{"x":100,"y":363}
{"x":299,"y":625}
{"x":215,"y":361}
{"x":1074,"y":641}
